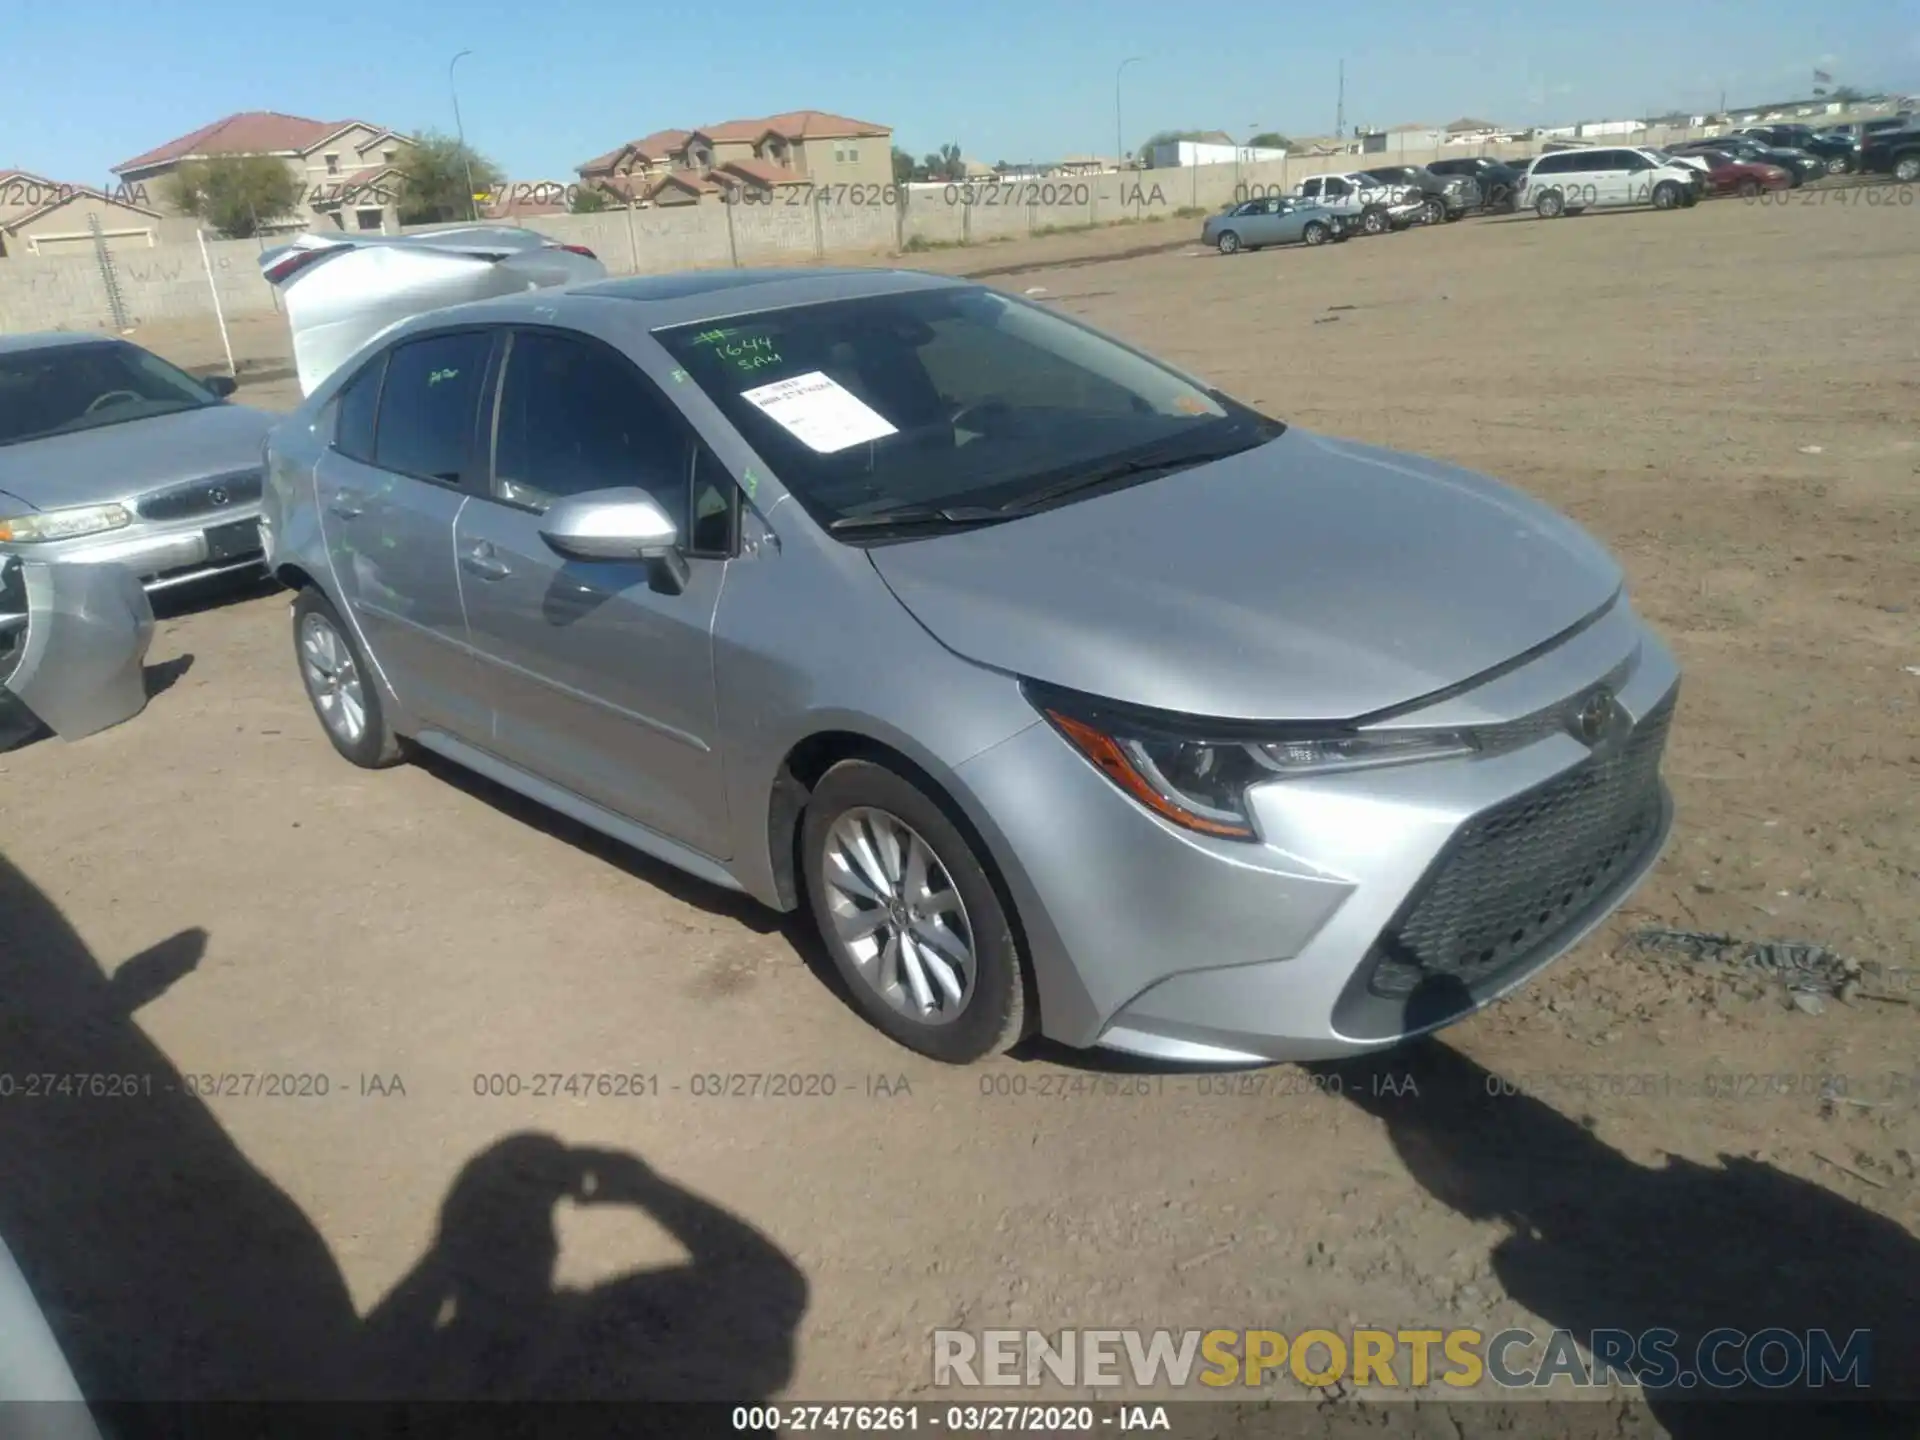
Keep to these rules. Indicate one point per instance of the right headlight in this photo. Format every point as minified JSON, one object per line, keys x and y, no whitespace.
{"x":1197,"y":773}
{"x":67,"y":524}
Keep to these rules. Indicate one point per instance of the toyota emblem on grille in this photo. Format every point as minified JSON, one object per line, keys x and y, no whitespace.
{"x":1590,"y":720}
{"x":218,"y":495}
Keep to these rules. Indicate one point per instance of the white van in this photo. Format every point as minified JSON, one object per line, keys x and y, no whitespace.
{"x":1569,"y":181}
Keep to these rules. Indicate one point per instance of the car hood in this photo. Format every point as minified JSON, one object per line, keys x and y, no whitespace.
{"x":114,"y":461}
{"x":1308,"y":579}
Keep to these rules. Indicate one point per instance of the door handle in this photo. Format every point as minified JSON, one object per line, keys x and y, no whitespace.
{"x":483,"y":562}
{"x":347,"y":505}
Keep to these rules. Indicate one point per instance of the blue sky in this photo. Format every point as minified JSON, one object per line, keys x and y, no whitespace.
{"x":552,"y":83}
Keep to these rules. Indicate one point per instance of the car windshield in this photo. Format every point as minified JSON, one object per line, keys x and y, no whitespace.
{"x":935,"y":405}
{"x":67,"y":388}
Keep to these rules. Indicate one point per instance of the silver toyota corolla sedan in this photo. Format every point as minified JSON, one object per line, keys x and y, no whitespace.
{"x":1065,"y":692}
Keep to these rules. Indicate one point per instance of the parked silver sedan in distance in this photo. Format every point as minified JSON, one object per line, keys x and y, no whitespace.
{"x":1271,"y":220}
{"x":110,"y":454}
{"x":1063,"y":691}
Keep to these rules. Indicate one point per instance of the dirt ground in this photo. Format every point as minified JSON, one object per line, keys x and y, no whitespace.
{"x":1726,"y":396}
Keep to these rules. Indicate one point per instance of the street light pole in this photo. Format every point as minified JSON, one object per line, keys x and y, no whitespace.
{"x":460,"y":133}
{"x":1119,"y":134}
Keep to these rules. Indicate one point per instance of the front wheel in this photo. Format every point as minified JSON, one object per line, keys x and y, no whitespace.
{"x":1373,"y":220}
{"x":1550,"y":206}
{"x":1316,"y":233}
{"x":1666,"y":196}
{"x":913,"y":922}
{"x":1432,"y":212}
{"x":1228,"y":243}
{"x":1907,"y":169}
{"x":1838,"y":165}
{"x":340,"y":684}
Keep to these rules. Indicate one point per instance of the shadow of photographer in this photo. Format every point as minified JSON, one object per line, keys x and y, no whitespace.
{"x":170,"y":1268}
{"x":1596,"y":1241}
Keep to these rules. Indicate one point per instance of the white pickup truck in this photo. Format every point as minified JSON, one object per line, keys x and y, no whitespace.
{"x":1370,"y":206}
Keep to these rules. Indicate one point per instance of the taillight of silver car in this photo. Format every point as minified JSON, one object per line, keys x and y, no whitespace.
{"x":283,"y":270}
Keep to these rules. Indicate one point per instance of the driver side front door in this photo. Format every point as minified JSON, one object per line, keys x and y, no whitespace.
{"x":599,"y":682}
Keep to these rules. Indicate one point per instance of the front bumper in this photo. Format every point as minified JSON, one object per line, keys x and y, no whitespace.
{"x":163,"y":555}
{"x":1378,"y":905}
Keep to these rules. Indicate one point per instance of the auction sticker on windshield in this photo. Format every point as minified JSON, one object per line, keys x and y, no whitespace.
{"x":822,"y":413}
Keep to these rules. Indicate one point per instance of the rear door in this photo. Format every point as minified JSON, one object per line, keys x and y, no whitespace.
{"x":598,"y":682}
{"x":390,"y":485}
{"x":1587,"y":179}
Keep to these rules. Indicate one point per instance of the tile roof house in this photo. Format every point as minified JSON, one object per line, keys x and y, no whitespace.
{"x":761,"y":157}
{"x":39,"y":216}
{"x":345,"y":168}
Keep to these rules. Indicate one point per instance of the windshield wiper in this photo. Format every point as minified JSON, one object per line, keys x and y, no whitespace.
{"x":1105,"y":474}
{"x":947,"y":516}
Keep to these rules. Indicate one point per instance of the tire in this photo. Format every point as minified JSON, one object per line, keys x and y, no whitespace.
{"x":1837,"y":165}
{"x":1453,"y":215}
{"x":1374,"y":221}
{"x":1228,"y":243}
{"x":1906,"y":169}
{"x":1666,"y":196}
{"x":1551,"y":205}
{"x":856,"y":803}
{"x":339,"y":682}
{"x":1749,"y":189}
{"x":1316,"y":233}
{"x":1432,"y":211}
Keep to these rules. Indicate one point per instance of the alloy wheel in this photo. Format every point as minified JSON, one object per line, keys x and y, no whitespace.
{"x":333,"y":680}
{"x":896,"y":913}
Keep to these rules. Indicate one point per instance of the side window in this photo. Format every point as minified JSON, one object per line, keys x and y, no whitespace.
{"x":1336,"y":188}
{"x":1310,"y":189}
{"x":575,"y":418}
{"x":354,"y":410}
{"x":429,"y":404}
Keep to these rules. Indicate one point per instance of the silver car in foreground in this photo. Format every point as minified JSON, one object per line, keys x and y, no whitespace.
{"x":1065,"y":692}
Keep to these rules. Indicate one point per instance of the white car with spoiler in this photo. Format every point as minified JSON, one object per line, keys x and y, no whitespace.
{"x":339,"y":291}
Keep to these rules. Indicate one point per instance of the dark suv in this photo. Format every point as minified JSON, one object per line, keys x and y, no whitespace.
{"x":1839,"y":152}
{"x":1497,"y":179}
{"x":1448,"y":196}
{"x":1893,"y":152}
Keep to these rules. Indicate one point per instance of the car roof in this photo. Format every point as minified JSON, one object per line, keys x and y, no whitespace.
{"x":699,"y":295}
{"x":51,"y":340}
{"x":643,"y":303}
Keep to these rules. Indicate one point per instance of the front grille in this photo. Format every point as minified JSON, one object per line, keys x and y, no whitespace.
{"x":220,"y":495}
{"x":1524,"y":871}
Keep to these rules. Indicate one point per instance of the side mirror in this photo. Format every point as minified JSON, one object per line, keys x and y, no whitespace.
{"x":220,"y":385}
{"x":623,"y":524}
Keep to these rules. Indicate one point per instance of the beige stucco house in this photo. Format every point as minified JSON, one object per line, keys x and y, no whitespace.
{"x":758,"y":157}
{"x":39,"y":216}
{"x":345,"y":168}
